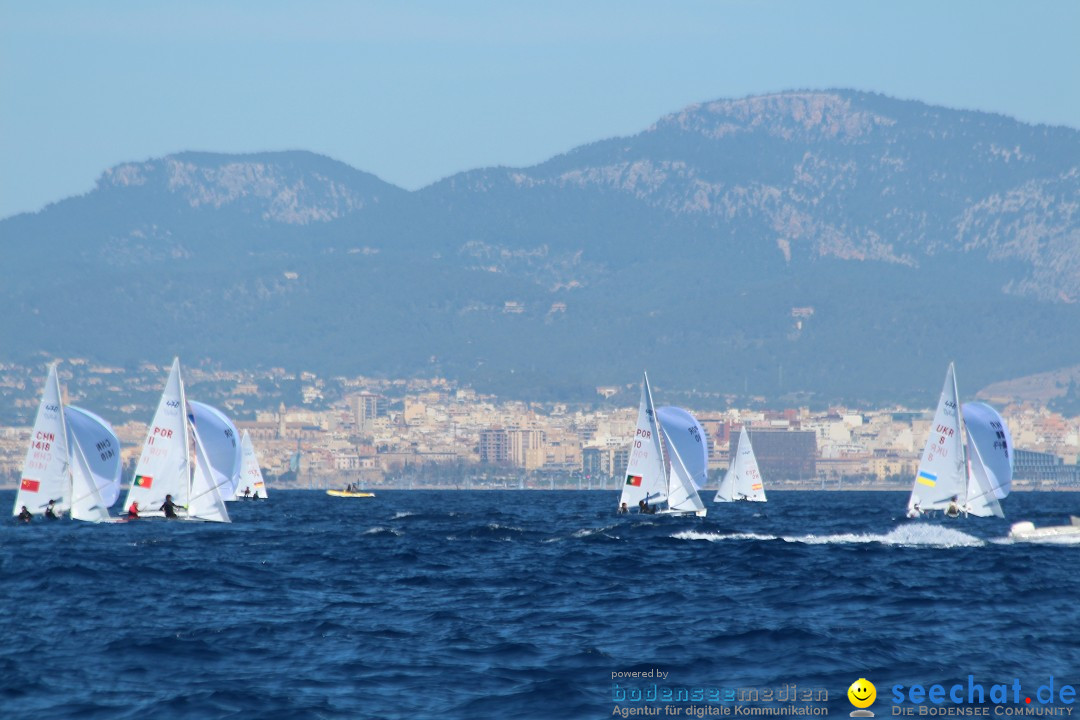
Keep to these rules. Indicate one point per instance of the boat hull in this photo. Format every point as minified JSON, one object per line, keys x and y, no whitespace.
{"x":698,"y":513}
{"x":346,"y":493}
{"x":1028,"y":531}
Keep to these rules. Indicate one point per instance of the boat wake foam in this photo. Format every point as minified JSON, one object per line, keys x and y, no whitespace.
{"x":384,"y":531}
{"x":911,"y":535}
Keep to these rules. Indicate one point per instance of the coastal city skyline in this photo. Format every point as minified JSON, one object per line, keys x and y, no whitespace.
{"x":435,"y":432}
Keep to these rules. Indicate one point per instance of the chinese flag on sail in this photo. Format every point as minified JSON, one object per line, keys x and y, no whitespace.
{"x":634,"y":480}
{"x":30,"y":485}
{"x":143,"y":481}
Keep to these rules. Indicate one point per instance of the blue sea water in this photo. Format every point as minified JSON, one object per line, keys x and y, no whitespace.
{"x":520,"y":604}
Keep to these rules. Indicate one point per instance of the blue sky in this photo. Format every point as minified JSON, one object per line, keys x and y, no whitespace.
{"x":416,"y":91}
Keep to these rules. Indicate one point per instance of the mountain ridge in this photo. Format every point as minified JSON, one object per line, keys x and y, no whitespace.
{"x":701,"y":236}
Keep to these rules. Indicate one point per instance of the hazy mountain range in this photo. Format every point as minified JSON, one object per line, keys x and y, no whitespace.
{"x":804,"y":246}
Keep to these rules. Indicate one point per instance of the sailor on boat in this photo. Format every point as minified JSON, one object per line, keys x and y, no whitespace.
{"x":169,"y":507}
{"x":25,"y":515}
{"x":133,"y":511}
{"x":623,"y":509}
{"x":953,"y":510}
{"x":50,"y":510}
{"x":915,"y":511}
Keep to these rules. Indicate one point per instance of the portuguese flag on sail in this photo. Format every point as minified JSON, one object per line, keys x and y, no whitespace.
{"x":634,"y":480}
{"x":143,"y":481}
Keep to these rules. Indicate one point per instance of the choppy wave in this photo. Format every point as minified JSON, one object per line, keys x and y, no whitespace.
{"x":515,"y":605}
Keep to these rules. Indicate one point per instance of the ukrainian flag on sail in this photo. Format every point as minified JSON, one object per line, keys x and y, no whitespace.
{"x":925,"y":478}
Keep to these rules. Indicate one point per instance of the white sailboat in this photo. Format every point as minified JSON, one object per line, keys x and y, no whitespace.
{"x":742,"y":481}
{"x":73,"y":460}
{"x":252,"y":484}
{"x":648,"y":478}
{"x":955,"y":476}
{"x":46,"y":473}
{"x":164,"y":466}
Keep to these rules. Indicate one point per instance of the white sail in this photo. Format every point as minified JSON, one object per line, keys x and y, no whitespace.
{"x":87,"y":503}
{"x":942,"y":474}
{"x":682,"y":430}
{"x":986,"y":428}
{"x":46,"y":473}
{"x":164,"y":467}
{"x":251,"y":477}
{"x":726,"y":491}
{"x":989,"y":459}
{"x":645,"y":477}
{"x":682,"y":495}
{"x":980,"y":500}
{"x":742,"y":481}
{"x":100,"y":449}
{"x":206,"y":502}
{"x":221,"y":443}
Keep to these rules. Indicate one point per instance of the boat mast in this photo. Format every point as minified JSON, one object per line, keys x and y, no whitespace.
{"x":67,"y":450}
{"x":963,"y":432}
{"x":655,"y":427}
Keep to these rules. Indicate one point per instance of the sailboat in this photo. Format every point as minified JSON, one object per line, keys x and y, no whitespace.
{"x":742,"y":481}
{"x":164,"y":466}
{"x":58,"y":467}
{"x":651,"y":480}
{"x":955,"y":476}
{"x":251,"y":476}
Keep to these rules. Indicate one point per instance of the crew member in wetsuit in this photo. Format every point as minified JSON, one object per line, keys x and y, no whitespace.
{"x":954,"y":508}
{"x":50,"y":511}
{"x":247,"y":492}
{"x":24,"y":515}
{"x":169,"y":507}
{"x":133,"y":511}
{"x":623,"y":509}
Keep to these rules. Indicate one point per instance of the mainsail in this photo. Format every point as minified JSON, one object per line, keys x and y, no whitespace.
{"x":46,"y":473}
{"x":684,"y":432}
{"x":251,"y":477}
{"x":742,"y":481}
{"x":164,"y":467}
{"x":645,"y":476}
{"x":942,"y":475}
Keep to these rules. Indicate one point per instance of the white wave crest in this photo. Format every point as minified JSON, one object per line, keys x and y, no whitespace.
{"x":378,"y":529}
{"x":910,"y":535}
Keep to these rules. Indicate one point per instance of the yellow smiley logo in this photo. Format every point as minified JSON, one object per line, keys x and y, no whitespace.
{"x":862,"y":693}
